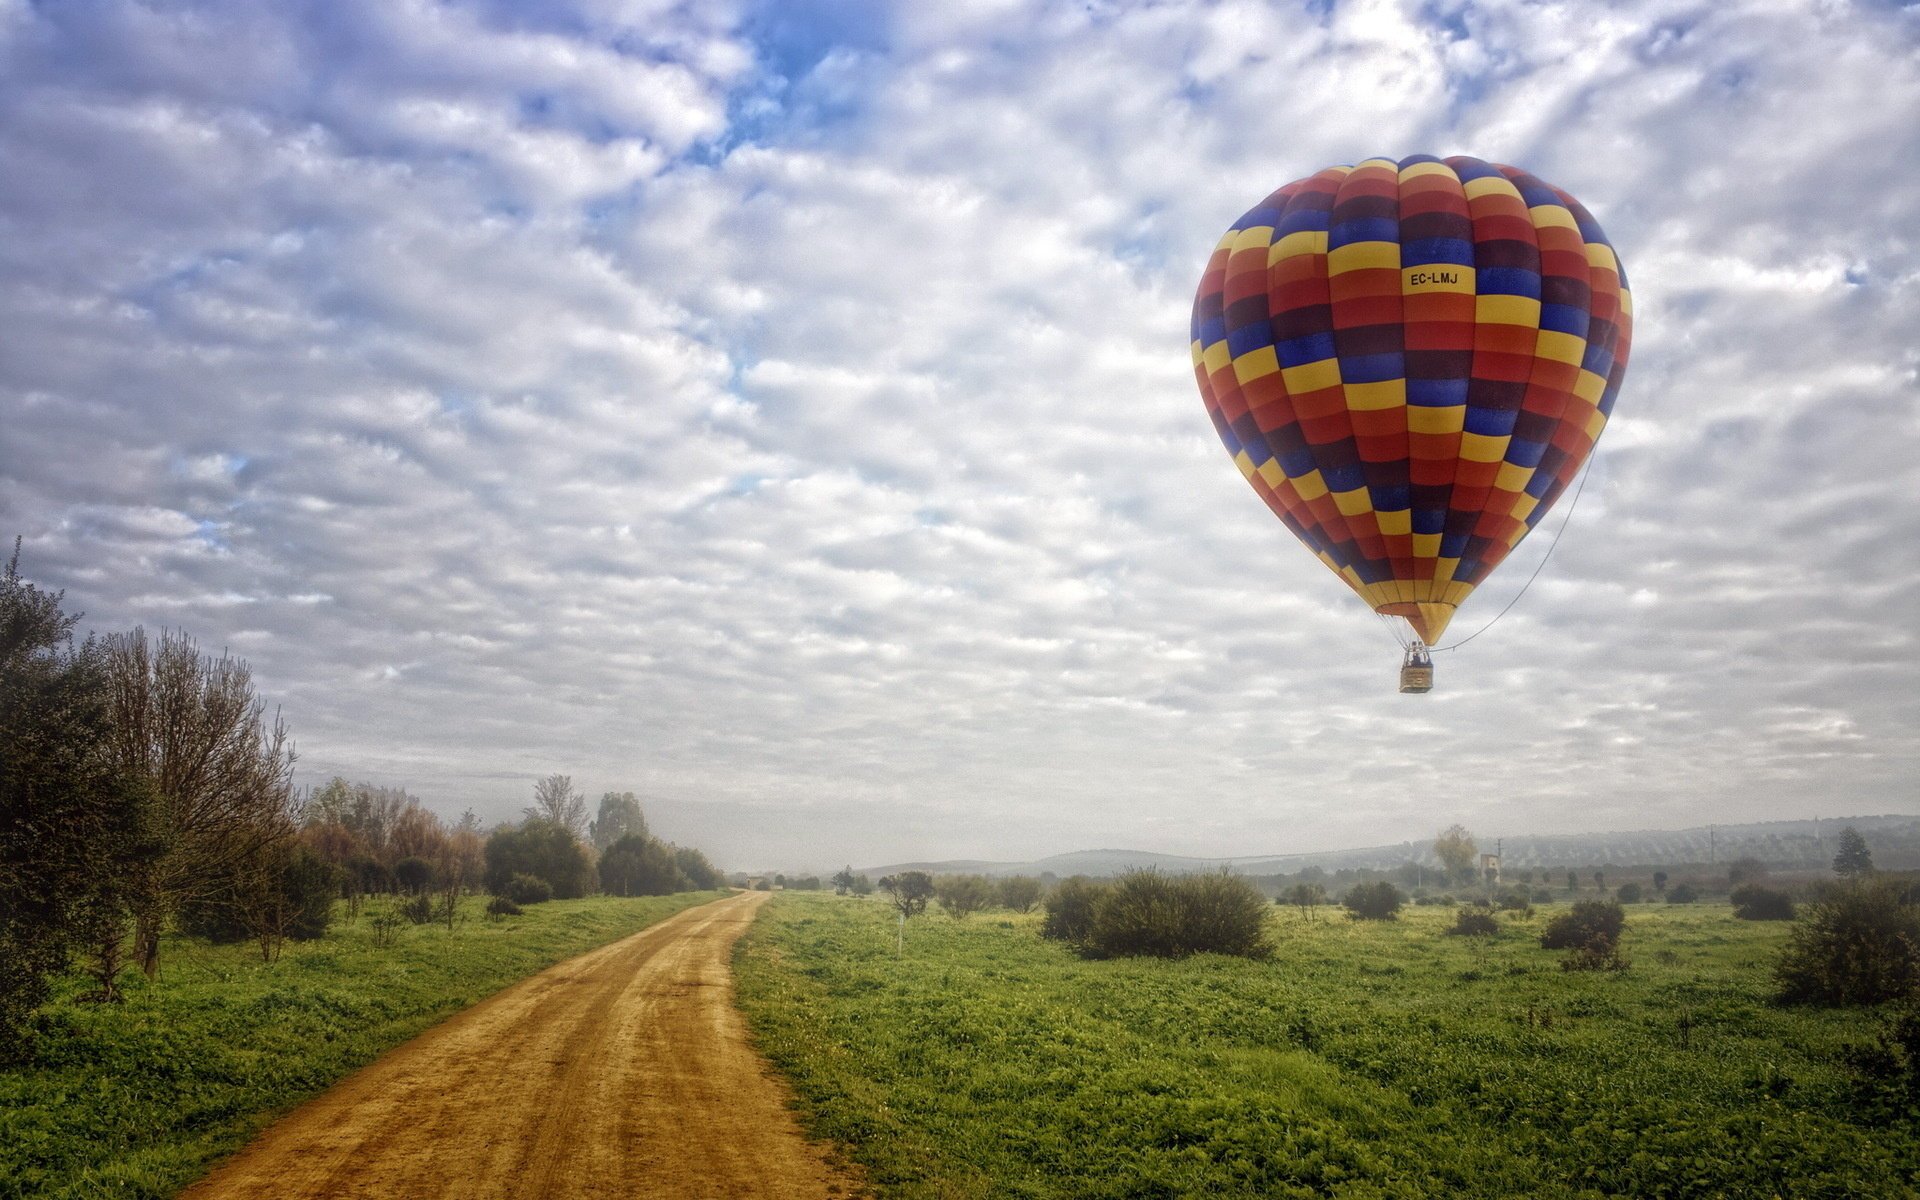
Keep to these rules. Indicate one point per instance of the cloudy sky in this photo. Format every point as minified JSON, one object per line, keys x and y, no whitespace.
{"x":783,"y":410}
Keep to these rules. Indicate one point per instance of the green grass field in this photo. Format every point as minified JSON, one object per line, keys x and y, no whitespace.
{"x":137,"y":1099}
{"x":1364,"y":1060}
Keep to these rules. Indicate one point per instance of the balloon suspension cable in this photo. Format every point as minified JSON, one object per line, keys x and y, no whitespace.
{"x":1585,"y":471}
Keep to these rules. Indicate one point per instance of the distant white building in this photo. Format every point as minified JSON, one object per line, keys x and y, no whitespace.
{"x":1490,"y":868}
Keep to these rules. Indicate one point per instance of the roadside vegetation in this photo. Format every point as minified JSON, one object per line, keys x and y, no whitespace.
{"x":137,"y":1099}
{"x":1363,"y":1057}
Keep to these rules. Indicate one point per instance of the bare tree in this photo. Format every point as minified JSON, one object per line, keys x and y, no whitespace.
{"x":555,"y":800}
{"x":191,"y":728}
{"x":461,"y":863}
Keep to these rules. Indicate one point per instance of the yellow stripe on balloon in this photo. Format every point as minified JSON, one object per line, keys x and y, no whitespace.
{"x":1507,"y":310}
{"x":1313,"y":376}
{"x":1304,"y":241}
{"x":1363,"y":256}
{"x":1450,"y":419}
{"x":1256,"y":364}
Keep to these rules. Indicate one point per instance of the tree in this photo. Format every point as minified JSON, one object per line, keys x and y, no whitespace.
{"x":702,"y":874}
{"x":555,"y":801}
{"x":619,"y":817}
{"x":908,"y":892}
{"x":1307,"y":897}
{"x":963,"y":895}
{"x":1456,"y":851}
{"x":843,"y":880}
{"x":1021,"y":893}
{"x":1573,"y":882}
{"x":192,"y":731}
{"x":1660,"y":882}
{"x":70,"y":822}
{"x":641,"y":865}
{"x":543,"y":850}
{"x":1853,"y":858}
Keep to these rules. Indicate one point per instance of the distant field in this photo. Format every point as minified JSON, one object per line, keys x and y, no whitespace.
{"x":137,"y":1099}
{"x":1364,"y":1060}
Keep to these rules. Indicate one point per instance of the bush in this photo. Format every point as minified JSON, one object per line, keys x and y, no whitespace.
{"x":1588,"y":922}
{"x":1598,"y":955}
{"x":963,"y":895}
{"x":1751,"y":902}
{"x":1515,"y":901}
{"x":1857,"y":944}
{"x":1379,"y":901}
{"x":1630,"y":893}
{"x":1021,"y":893}
{"x":310,"y":884}
{"x":1683,"y":893}
{"x":1070,"y":909}
{"x":1888,"y":1070}
{"x":1474,"y":921}
{"x":527,"y":889}
{"x":418,"y":909}
{"x":1147,"y":913}
{"x":413,"y":875}
{"x":501,"y":906}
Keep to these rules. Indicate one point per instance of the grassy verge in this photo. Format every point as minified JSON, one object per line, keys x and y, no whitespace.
{"x":137,"y":1099}
{"x":1365,"y":1060}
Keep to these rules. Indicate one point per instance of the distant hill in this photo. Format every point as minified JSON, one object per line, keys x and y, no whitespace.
{"x":1895,"y":840}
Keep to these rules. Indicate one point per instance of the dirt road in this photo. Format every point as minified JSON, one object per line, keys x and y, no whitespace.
{"x":624,"y":1072}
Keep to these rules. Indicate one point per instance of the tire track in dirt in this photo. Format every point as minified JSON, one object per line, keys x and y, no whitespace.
{"x":625,"y":1072}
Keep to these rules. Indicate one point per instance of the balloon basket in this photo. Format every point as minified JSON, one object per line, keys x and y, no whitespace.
{"x":1416,"y":673}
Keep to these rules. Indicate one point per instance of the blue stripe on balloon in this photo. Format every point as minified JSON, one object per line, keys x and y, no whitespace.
{"x":1436,"y":393}
{"x":1508,"y":281}
{"x":1371,"y":368}
{"x":1422,"y":252}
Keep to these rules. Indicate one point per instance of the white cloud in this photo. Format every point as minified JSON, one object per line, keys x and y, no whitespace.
{"x":805,"y":438}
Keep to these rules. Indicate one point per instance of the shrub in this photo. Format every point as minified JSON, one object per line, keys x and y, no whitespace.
{"x":1070,"y":909}
{"x":1751,"y":902}
{"x":1857,"y":944}
{"x":963,"y":895}
{"x":527,"y":889}
{"x":1021,"y":893}
{"x":1378,"y":901}
{"x":1148,"y":913}
{"x":1682,"y":893}
{"x":413,"y":875}
{"x":1888,"y":1070}
{"x":1517,"y":900}
{"x":418,"y":909}
{"x":1474,"y":921}
{"x":310,"y":884}
{"x":1630,"y":893}
{"x":1588,"y":922}
{"x":1600,"y":954}
{"x":501,"y":907}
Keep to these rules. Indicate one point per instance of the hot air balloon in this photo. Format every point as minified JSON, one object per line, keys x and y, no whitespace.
{"x":1410,"y":361}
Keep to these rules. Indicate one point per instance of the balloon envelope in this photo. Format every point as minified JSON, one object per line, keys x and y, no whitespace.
{"x":1410,"y":361}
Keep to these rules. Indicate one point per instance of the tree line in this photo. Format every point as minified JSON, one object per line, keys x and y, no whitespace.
{"x":145,"y":787}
